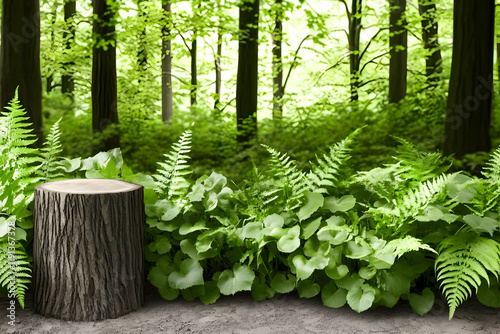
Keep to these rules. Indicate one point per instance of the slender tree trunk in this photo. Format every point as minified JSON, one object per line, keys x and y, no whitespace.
{"x":398,"y":43}
{"x":166,"y":64}
{"x":247,"y":76}
{"x":471,"y":81}
{"x":427,"y":9}
{"x":354,"y":40}
{"x":218,"y":70}
{"x":20,"y":58}
{"x":277,"y":35}
{"x":194,"y":75}
{"x":142,"y":55}
{"x":68,"y":83}
{"x":104,"y":89}
{"x":50,"y":78}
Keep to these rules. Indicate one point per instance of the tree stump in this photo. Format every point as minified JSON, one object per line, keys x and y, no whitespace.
{"x":88,"y":257}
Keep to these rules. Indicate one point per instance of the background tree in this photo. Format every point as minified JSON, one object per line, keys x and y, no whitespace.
{"x":166,"y":62}
{"x":277,"y":37}
{"x":104,"y":86}
{"x":398,"y":49}
{"x":247,"y":76}
{"x":20,"y":58}
{"x":67,"y":81}
{"x":467,"y":127}
{"x":427,"y":10}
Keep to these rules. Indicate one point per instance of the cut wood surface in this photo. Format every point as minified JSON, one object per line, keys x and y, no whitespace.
{"x":88,"y":260}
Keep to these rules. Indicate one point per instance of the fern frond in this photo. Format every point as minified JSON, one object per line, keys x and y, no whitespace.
{"x":492,"y":169}
{"x":404,"y":245}
{"x":171,"y":175}
{"x":290,"y":181}
{"x":51,"y":166}
{"x":327,"y":173}
{"x":463,"y":260}
{"x":15,"y":269}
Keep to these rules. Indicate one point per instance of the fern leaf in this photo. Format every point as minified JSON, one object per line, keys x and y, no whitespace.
{"x":16,"y":270}
{"x":407,"y":244}
{"x":326,"y":174}
{"x":464,"y":259}
{"x":51,"y":166}
{"x":291,"y":181}
{"x":171,"y":175}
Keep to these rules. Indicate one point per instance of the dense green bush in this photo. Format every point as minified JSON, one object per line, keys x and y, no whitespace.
{"x":407,"y":230}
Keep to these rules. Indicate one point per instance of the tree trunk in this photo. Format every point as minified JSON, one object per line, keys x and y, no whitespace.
{"x":88,"y":257}
{"x":471,"y":81}
{"x":104,"y":91}
{"x":398,"y":44}
{"x":20,"y":59}
{"x":277,"y":36}
{"x":218,"y":70}
{"x":166,"y":64}
{"x":427,"y":9}
{"x":67,"y":83}
{"x":142,"y":55}
{"x":354,"y":54}
{"x":247,"y":76}
{"x":194,"y":75}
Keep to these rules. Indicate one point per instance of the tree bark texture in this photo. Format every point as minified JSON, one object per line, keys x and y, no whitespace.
{"x":427,"y":9}
{"x":88,"y":257}
{"x":67,"y":82}
{"x":398,"y":50}
{"x":104,"y":87}
{"x":278,"y":91}
{"x":20,"y":58}
{"x":247,"y":75}
{"x":470,"y":91}
{"x":166,"y":64}
{"x":354,"y":54}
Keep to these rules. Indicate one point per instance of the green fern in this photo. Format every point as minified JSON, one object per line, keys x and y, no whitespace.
{"x":51,"y":166}
{"x":330,"y":167}
{"x":15,"y":270}
{"x":170,"y":177}
{"x":290,"y":183}
{"x":463,"y":260}
{"x":401,"y":246}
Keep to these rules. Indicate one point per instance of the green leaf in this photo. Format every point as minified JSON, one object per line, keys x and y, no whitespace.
{"x":422,"y":303}
{"x":168,"y":293}
{"x":190,"y":274}
{"x":430,"y":214}
{"x":238,"y":279}
{"x":260,"y":289}
{"x":308,"y":289}
{"x":283,"y":285}
{"x":309,"y":228}
{"x":360,"y":298}
{"x":274,"y":221}
{"x":211,"y":293}
{"x":336,"y":272}
{"x":167,"y":210}
{"x":482,"y":224}
{"x":290,"y":241}
{"x":312,"y":203}
{"x":188,"y":248}
{"x":333,"y":235}
{"x":187,"y":228}
{"x":161,"y":245}
{"x":344,"y":204}
{"x":357,"y":250}
{"x":489,"y":296}
{"x":303,"y":267}
{"x":252,"y":230}
{"x":332,"y":296}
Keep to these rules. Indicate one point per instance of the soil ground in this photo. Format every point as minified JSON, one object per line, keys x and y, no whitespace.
{"x":282,"y":314}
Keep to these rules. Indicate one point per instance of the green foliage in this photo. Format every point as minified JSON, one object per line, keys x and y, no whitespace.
{"x":464,"y":259}
{"x":15,"y":271}
{"x":51,"y":167}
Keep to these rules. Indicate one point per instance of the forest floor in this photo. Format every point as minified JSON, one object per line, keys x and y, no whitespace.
{"x":282,"y":314}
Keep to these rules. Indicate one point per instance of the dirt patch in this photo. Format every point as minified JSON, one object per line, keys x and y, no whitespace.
{"x":282,"y":314}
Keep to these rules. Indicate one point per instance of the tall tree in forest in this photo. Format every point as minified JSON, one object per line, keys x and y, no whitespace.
{"x":354,"y":18}
{"x":247,"y":76}
{"x":104,"y":87}
{"x":67,"y":83}
{"x":218,"y":69}
{"x":20,"y":58}
{"x":277,"y":37}
{"x":471,"y":81}
{"x":427,"y":9}
{"x":398,"y":50}
{"x":166,"y":63}
{"x":142,"y":55}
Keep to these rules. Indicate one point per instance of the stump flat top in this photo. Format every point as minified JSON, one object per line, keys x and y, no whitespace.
{"x":89,"y":186}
